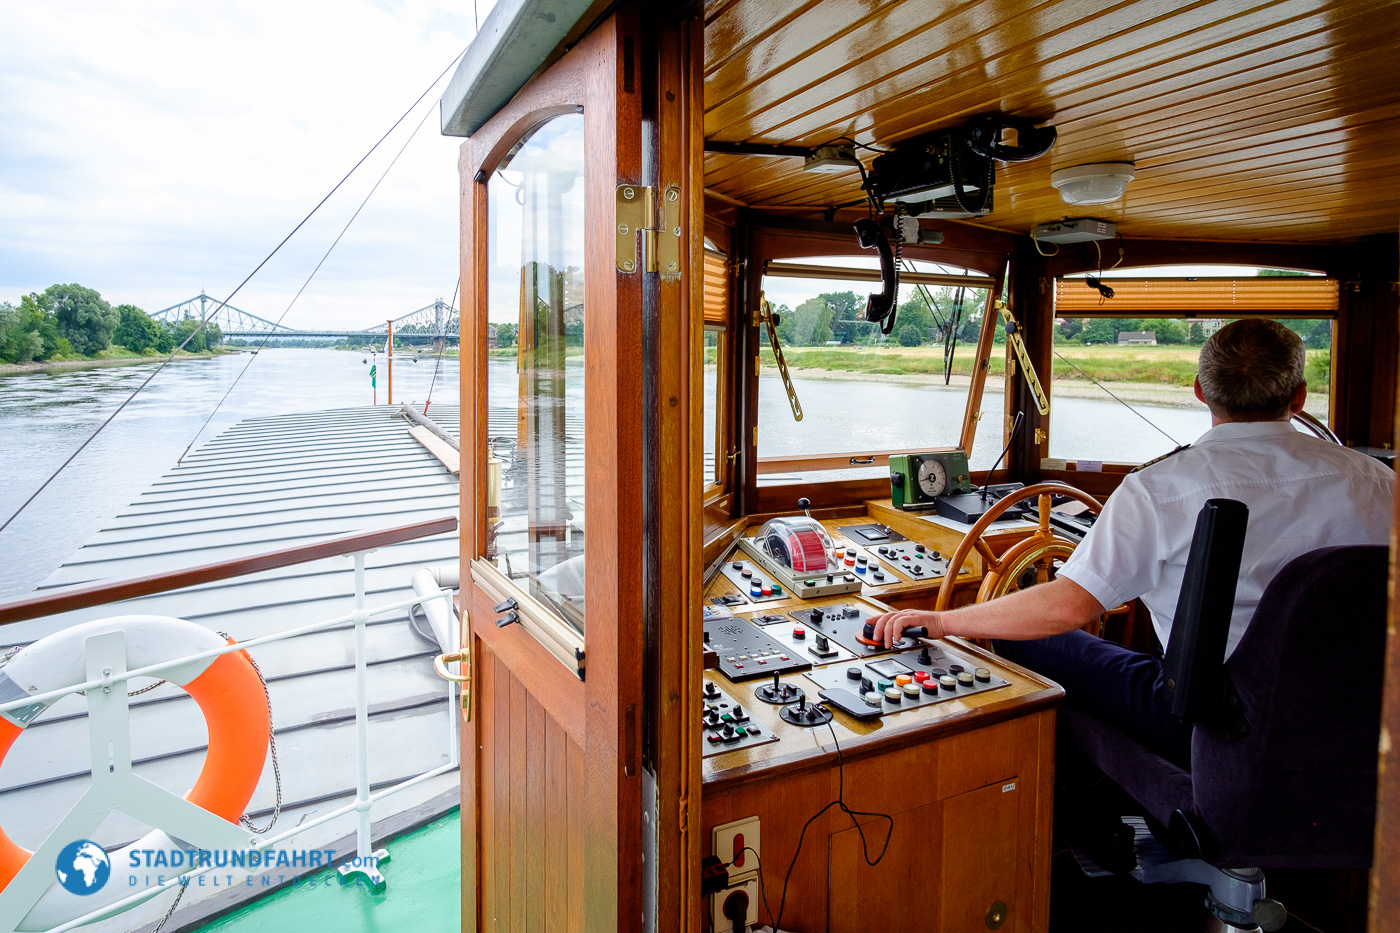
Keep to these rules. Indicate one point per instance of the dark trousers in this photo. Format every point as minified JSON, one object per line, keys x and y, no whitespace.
{"x":1115,"y":685}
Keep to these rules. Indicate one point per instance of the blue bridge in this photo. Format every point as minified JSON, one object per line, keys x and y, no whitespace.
{"x":437,"y":321}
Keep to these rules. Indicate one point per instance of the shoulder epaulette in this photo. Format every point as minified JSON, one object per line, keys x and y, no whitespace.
{"x":1165,"y":456}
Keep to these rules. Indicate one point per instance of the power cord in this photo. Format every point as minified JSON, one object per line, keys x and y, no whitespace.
{"x":840,"y":801}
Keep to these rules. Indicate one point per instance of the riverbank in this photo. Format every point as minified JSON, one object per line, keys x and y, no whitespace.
{"x":122,"y":358}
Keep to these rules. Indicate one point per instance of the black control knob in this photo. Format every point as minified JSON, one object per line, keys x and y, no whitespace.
{"x":804,"y":503}
{"x":925,"y":657}
{"x":740,"y":714}
{"x":823,"y":643}
{"x":738,"y":565}
{"x":956,"y":669}
{"x":711,"y":690}
{"x":919,"y":548}
{"x":728,"y":730}
{"x":853,"y":673}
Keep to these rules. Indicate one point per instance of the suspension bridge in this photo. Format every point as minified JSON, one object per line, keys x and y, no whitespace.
{"x":437,"y":321}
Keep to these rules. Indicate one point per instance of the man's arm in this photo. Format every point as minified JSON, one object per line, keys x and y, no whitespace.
{"x":1049,"y":609}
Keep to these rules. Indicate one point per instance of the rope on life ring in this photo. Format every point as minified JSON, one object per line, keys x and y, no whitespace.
{"x":229,"y":691}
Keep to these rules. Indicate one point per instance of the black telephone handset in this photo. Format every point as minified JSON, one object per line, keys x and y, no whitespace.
{"x":879,"y":307}
{"x":982,"y":134}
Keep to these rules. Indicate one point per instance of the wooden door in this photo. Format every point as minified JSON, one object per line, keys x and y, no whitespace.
{"x":559,"y":443}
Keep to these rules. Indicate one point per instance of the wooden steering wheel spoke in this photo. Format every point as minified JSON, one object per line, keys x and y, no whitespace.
{"x":1038,"y":550}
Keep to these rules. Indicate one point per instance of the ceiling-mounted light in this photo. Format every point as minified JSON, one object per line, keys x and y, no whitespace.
{"x":1098,"y":183}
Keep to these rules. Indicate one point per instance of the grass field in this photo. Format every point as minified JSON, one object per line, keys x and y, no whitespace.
{"x":1169,"y":366}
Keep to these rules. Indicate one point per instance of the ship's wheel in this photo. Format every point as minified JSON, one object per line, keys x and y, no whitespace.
{"x":1034,"y":559}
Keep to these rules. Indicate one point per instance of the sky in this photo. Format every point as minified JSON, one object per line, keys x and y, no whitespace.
{"x":153,"y":149}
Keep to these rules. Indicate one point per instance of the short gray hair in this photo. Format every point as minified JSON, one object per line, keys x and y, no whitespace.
{"x":1250,"y":369}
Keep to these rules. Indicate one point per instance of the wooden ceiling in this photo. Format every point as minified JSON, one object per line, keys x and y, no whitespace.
{"x":1273,"y":120}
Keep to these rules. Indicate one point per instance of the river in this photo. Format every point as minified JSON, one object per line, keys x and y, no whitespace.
{"x":44,"y":416}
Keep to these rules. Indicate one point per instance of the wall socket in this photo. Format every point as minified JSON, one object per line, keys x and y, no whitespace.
{"x":728,"y":841}
{"x":747,"y":883}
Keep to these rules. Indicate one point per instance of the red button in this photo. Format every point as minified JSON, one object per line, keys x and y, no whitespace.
{"x":737,"y":664}
{"x":761,"y":661}
{"x":767,"y":591}
{"x":799,"y":632}
{"x":783,"y":657}
{"x":713,"y":736}
{"x":921,"y":676}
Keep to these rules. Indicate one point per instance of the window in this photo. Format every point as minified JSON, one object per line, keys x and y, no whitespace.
{"x":1121,"y":388}
{"x":535,"y":388}
{"x":714,"y":364}
{"x":861,"y":391}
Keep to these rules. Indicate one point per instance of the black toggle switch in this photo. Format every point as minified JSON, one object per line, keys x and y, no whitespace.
{"x":507,"y":619}
{"x":506,"y":606}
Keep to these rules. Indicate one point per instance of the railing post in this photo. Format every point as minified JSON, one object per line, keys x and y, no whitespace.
{"x":365,"y":865}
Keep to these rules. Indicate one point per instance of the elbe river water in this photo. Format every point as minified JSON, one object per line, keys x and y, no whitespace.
{"x":45,"y":416}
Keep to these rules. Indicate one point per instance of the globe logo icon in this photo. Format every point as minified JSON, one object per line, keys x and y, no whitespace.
{"x":83,"y":867}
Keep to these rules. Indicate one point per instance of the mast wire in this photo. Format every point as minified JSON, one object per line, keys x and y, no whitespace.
{"x":278,"y":323}
{"x":1117,"y":399}
{"x":437,"y":367}
{"x":159,"y":369}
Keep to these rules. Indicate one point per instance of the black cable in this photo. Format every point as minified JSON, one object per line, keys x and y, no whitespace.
{"x":840,"y":801}
{"x":278,"y":323}
{"x":1015,"y":429}
{"x":857,"y":145}
{"x":110,"y":418}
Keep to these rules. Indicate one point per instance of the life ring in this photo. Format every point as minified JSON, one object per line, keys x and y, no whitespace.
{"x":226,"y":688}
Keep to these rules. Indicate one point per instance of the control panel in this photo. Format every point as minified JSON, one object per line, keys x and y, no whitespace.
{"x":754,"y":582}
{"x":803,"y":640}
{"x":726,"y":725}
{"x":866,"y":567}
{"x":746,"y":651}
{"x":914,"y":560}
{"x":827,"y":580}
{"x":843,"y":625}
{"x":908,"y":680}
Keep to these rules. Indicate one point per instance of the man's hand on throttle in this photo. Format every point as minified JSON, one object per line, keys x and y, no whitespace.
{"x":889,"y":625}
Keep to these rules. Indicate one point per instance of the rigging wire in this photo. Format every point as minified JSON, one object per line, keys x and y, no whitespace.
{"x":278,"y":323}
{"x":204,"y":322}
{"x":1117,"y":399}
{"x":443,"y":349}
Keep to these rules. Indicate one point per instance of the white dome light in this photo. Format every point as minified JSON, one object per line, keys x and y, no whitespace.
{"x":1093,"y":184}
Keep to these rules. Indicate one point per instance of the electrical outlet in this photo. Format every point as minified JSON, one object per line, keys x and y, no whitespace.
{"x":748,"y":884}
{"x":728,"y":841}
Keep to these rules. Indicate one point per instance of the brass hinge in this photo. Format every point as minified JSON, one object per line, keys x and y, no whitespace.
{"x":637,"y":219}
{"x":1040,"y":436}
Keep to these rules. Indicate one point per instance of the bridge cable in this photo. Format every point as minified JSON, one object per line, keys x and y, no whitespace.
{"x":437,"y":367}
{"x":110,"y":418}
{"x":278,"y":323}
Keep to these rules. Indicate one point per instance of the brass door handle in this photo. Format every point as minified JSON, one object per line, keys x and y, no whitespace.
{"x":441,"y":661}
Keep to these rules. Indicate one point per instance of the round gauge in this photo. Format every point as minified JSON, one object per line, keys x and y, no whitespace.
{"x":933,"y":477}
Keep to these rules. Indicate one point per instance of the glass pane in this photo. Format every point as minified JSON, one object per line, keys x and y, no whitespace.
{"x":861,"y":390}
{"x":714,"y":346}
{"x":1150,"y":366}
{"x":535,"y":363}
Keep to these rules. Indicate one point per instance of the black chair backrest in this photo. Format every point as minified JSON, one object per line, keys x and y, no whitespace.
{"x":1298,"y":787}
{"x":1195,"y":656}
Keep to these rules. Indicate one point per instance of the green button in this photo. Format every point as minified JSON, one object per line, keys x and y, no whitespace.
{"x":885,"y":684}
{"x":725,"y":717}
{"x":777,"y":589}
{"x":739,"y":730}
{"x":810,"y":582}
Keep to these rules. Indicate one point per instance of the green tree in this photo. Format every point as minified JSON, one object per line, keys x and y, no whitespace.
{"x":1101,"y":330}
{"x":909,"y":336}
{"x":135,"y":330}
{"x":1170,"y":332}
{"x":1069,"y":328}
{"x":847,"y":310}
{"x":808,"y":325}
{"x":82,"y":317}
{"x":187,"y":329}
{"x":916,"y":314}
{"x":505,"y":335}
{"x":1196,"y":334}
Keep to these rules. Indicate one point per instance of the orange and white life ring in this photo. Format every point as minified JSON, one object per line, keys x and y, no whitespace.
{"x":227,"y":689}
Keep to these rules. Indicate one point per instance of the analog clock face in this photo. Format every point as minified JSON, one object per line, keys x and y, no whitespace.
{"x":933,"y":477}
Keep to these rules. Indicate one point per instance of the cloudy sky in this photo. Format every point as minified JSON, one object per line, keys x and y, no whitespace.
{"x":153,"y":149}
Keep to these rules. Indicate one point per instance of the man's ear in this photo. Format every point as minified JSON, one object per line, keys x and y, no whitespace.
{"x":1199,"y":394}
{"x":1299,"y":397}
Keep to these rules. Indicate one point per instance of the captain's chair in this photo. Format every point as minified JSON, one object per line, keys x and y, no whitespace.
{"x":1284,"y":753}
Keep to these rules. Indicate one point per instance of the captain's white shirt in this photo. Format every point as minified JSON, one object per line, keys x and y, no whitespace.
{"x":1303,"y":493}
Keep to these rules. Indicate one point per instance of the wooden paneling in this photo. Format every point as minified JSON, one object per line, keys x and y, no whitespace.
{"x":530,"y":825}
{"x":971,"y":825}
{"x":1276,"y":295}
{"x":1262,"y":120}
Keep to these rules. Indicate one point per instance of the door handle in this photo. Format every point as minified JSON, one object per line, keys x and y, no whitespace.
{"x":464,"y":657}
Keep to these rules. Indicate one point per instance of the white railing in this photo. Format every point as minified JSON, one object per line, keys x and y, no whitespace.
{"x":108,"y":708}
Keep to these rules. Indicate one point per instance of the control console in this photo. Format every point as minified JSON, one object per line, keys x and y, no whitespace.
{"x":726,"y":725}
{"x":907,"y":680}
{"x":746,"y":651}
{"x":912,"y":559}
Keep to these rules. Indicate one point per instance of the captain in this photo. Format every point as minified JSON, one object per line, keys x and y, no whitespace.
{"x":1303,"y":493}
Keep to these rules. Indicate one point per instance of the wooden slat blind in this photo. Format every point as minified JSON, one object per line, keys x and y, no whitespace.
{"x":716,"y":287}
{"x":1283,"y":295}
